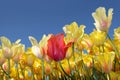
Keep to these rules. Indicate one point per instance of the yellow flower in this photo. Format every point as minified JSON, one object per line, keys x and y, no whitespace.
{"x":70,"y":29}
{"x":13,"y":73}
{"x":43,"y":44}
{"x":28,"y":74}
{"x":73,"y":32}
{"x":87,"y":59}
{"x":97,"y":37}
{"x":86,"y":41}
{"x":7,"y":52}
{"x":115,"y":75}
{"x":102,"y":21}
{"x":117,"y":33}
{"x":68,"y":53}
{"x":117,"y":38}
{"x":11,"y":49}
{"x":30,"y":58}
{"x":2,"y":58}
{"x":48,"y":69}
{"x":39,"y":49}
{"x":6,"y":46}
{"x":18,"y":50}
{"x":108,"y":47}
{"x":36,"y":52}
{"x":27,"y":59}
{"x":5,"y":42}
{"x":106,"y":61}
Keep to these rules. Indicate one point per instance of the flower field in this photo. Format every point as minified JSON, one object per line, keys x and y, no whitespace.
{"x":72,"y":55}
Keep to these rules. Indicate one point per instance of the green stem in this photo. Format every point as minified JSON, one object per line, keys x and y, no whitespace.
{"x":43,"y":78}
{"x":22,"y":71}
{"x":69,"y":65}
{"x":87,"y":70}
{"x":17,"y":70}
{"x":115,"y":48}
{"x":8,"y":68}
{"x":112,"y":43}
{"x":100,"y":49}
{"x":3,"y":77}
{"x":114,"y":65}
{"x":4,"y":70}
{"x":75,"y":60}
{"x":63,"y":70}
{"x":32,"y":73}
{"x":103,"y":47}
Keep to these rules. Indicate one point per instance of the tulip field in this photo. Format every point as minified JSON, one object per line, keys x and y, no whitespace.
{"x":72,"y":55}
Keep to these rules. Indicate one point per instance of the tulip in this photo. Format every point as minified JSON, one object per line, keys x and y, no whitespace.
{"x":57,"y":47}
{"x":2,"y":58}
{"x":7,"y":52}
{"x":39,"y":49}
{"x":106,"y":61}
{"x":117,"y":34}
{"x":97,"y":37}
{"x":36,"y":51}
{"x":73,"y":32}
{"x":18,"y":51}
{"x":102,"y":21}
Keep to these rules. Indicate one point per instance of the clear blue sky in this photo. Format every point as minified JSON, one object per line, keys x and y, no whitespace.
{"x":21,"y":18}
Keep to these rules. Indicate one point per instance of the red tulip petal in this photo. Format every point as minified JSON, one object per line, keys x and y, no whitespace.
{"x":56,"y":47}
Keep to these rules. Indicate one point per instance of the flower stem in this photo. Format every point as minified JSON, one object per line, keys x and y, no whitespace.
{"x":17,"y":70}
{"x":103,"y":48}
{"x":21,"y":70}
{"x":75,"y":60}
{"x":114,"y":65}
{"x":69,"y":65}
{"x":43,"y":78}
{"x":115,"y":48}
{"x":112,"y":43}
{"x":32,"y":73}
{"x":8,"y":68}
{"x":4,"y":70}
{"x":63,"y":70}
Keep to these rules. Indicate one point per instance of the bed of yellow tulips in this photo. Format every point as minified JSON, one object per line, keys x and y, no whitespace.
{"x":72,"y":55}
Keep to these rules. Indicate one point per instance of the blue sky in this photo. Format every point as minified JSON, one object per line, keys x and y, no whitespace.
{"x":23,"y":18}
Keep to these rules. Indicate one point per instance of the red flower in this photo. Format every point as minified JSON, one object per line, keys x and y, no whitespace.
{"x":57,"y":47}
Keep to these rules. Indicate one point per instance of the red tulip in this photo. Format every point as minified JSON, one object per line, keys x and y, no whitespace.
{"x":57,"y":47}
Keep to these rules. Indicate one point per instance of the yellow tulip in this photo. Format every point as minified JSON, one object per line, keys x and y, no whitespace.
{"x":6,"y":46}
{"x":73,"y":32}
{"x":30,"y":59}
{"x":69,"y":53}
{"x":86,"y":41}
{"x":97,"y":37}
{"x":117,"y":33}
{"x":2,"y":58}
{"x":102,"y":21}
{"x":87,"y":59}
{"x":5,"y":42}
{"x":117,"y":38}
{"x":7,"y":52}
{"x":13,"y":73}
{"x":106,"y":61}
{"x":18,"y":51}
{"x":39,"y":49}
